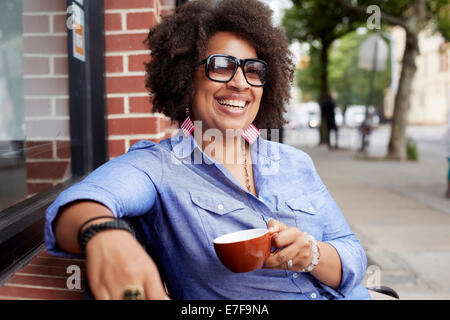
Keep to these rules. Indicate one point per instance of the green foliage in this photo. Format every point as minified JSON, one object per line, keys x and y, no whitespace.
{"x":412,"y":150}
{"x":347,"y":80}
{"x":308,"y":79}
{"x":318,"y":20}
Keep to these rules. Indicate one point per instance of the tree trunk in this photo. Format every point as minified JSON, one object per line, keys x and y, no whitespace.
{"x":323,"y":92}
{"x":397,"y":142}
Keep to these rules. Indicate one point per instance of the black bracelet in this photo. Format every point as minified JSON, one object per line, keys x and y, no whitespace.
{"x":90,"y":220}
{"x":93,"y":229}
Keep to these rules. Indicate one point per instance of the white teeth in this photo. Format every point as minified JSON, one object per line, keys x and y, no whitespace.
{"x":233,"y":103}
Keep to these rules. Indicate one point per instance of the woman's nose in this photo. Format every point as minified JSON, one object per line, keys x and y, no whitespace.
{"x":239,"y":81}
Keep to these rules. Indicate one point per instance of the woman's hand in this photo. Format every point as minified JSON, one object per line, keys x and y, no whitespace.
{"x":116,"y":261}
{"x":291,"y":244}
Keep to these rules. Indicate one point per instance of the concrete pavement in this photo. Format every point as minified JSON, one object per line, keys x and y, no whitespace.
{"x":398,"y":212}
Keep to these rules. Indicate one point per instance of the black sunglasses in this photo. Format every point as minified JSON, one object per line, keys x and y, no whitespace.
{"x":223,"y":67}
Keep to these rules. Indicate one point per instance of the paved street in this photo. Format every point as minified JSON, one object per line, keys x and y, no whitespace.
{"x":397,"y":210}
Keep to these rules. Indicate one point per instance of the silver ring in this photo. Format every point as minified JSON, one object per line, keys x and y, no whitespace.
{"x":289,"y":263}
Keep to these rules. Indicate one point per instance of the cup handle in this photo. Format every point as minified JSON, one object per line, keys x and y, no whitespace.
{"x":276,"y":249}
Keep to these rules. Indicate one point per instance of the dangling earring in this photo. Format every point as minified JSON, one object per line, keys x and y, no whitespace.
{"x":187,"y":126}
{"x":251,"y":134}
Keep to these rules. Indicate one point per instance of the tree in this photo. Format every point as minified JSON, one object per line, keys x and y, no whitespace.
{"x":413,"y":16}
{"x":320,"y":22}
{"x":348,"y":80}
{"x":345,"y":78}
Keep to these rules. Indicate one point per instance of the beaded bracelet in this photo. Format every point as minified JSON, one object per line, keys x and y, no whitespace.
{"x":316,"y":254}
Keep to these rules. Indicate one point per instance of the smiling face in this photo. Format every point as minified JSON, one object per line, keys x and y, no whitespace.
{"x":230,"y":105}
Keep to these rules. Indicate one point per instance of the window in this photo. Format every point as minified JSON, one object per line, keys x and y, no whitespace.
{"x":49,"y":85}
{"x":34,"y":99}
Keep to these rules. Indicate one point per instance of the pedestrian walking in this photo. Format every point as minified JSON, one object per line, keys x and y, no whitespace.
{"x":328,"y":109}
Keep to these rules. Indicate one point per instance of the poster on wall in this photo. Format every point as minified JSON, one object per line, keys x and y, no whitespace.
{"x":78,"y":32}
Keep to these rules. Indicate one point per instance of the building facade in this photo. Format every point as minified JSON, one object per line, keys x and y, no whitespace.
{"x":430,"y":93}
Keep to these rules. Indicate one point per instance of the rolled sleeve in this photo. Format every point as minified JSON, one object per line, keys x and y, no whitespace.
{"x":353,"y":262}
{"x":119,"y":184}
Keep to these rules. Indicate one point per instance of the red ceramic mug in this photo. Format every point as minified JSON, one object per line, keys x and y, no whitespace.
{"x":243,"y":251}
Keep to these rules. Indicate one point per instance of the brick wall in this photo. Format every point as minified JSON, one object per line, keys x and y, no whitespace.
{"x":46,"y":94}
{"x":130,"y":115}
{"x":46,"y":91}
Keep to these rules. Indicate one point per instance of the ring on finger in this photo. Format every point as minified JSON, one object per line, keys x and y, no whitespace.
{"x":133,"y":293}
{"x":289,"y":263}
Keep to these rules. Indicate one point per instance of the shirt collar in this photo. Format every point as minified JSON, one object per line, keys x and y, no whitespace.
{"x":183,"y":147}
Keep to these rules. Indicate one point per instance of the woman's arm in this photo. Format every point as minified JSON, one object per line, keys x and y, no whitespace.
{"x":70,"y":219}
{"x":114,"y":258}
{"x":329,"y":269}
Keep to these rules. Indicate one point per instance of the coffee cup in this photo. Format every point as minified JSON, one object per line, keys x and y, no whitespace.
{"x":243,"y":251}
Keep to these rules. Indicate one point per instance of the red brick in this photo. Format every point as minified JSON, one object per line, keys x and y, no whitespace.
{"x":50,"y":44}
{"x":166,"y":12}
{"x":114,"y":64}
{"x":128,"y":126}
{"x":37,"y":293}
{"x":36,"y":24}
{"x":56,"y":262}
{"x":47,"y":170}
{"x":39,"y":149}
{"x":62,"y":106}
{"x":63,"y":149}
{"x":60,"y":23}
{"x":43,"y":5}
{"x":113,"y":21}
{"x":45,"y":87}
{"x":42,"y":281}
{"x":125,"y":84}
{"x":60,"y":66}
{"x":133,"y":141}
{"x":116,"y":148}
{"x":129,"y":4}
{"x":38,"y":107}
{"x":48,"y":270}
{"x":168,"y":2}
{"x":125,"y":42}
{"x":36,"y":187}
{"x":136,"y":62}
{"x":140,"y":105}
{"x":36,"y":65}
{"x":140,"y":20}
{"x":115,"y":105}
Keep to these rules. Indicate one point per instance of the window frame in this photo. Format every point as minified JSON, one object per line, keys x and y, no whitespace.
{"x":22,"y":225}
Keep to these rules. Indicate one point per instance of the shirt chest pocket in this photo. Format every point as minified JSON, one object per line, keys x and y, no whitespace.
{"x":307,"y":215}
{"x":221,"y":214}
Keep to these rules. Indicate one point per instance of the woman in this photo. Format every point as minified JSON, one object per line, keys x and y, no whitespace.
{"x":232,"y":69}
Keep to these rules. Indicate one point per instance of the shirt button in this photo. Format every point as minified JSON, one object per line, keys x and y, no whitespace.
{"x":295,"y":275}
{"x":220,"y":207}
{"x":311,"y":209}
{"x":313,"y":295}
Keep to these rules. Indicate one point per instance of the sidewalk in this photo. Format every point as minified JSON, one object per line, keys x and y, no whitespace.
{"x":405,"y":234}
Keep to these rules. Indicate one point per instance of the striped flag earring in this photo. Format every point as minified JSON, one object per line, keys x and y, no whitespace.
{"x":187,"y":126}
{"x":251,"y":133}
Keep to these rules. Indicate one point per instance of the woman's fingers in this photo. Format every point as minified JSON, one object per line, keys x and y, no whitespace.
{"x":275,"y":226}
{"x":279,"y":259}
{"x":292,"y":244}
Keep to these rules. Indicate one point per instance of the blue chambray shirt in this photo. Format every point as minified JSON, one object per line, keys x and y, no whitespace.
{"x":184,"y":200}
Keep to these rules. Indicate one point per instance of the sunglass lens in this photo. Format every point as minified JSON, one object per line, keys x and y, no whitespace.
{"x":221,"y":68}
{"x":255,"y":73}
